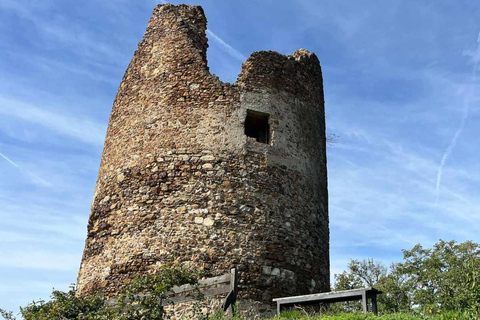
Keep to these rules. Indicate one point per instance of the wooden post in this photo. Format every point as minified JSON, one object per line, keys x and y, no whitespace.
{"x":234,"y":286}
{"x":364,"y":302}
{"x":232,"y":296}
{"x":374,"y":304}
{"x":234,"y":280}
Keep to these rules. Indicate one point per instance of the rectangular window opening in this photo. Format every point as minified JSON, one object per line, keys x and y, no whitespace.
{"x":256,"y":126}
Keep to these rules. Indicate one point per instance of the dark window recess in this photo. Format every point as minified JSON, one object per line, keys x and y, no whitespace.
{"x":256,"y":126}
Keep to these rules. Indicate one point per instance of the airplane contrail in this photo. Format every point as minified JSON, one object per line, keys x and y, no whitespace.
{"x":466,"y":109}
{"x":228,"y":48}
{"x":33,"y":177}
{"x":9,"y":161}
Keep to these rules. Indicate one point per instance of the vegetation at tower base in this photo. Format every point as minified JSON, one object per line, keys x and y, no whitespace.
{"x":213,"y":174}
{"x":139,"y":299}
{"x":438,"y":283}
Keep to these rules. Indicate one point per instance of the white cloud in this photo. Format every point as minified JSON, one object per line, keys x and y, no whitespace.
{"x":381,"y":195}
{"x":466,"y":106}
{"x":40,"y":260}
{"x":57,"y":30}
{"x":82,"y":129}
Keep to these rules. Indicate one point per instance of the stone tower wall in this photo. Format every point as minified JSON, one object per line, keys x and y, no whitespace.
{"x":180,"y":181}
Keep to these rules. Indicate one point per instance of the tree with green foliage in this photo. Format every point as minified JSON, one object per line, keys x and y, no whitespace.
{"x":396,"y":296}
{"x":429,"y":281}
{"x":370,"y":273}
{"x":445,"y":277}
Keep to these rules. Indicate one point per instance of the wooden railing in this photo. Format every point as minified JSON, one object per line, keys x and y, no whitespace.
{"x":226,"y":283}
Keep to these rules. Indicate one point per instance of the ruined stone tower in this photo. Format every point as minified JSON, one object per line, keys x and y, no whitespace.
{"x":210,"y":175}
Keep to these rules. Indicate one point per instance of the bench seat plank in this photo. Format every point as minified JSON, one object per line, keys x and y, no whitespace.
{"x":334,"y":296}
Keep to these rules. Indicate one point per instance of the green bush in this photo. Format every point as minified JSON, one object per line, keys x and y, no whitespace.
{"x":142,"y":297}
{"x":139,"y":300}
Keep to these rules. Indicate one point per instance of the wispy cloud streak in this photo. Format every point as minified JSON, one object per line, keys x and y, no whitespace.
{"x":8,"y":160}
{"x":31,"y":176}
{"x":85,"y":130}
{"x":466,"y":109}
{"x":228,"y":48}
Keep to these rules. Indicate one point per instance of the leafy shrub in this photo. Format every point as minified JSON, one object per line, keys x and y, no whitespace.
{"x":140,"y":299}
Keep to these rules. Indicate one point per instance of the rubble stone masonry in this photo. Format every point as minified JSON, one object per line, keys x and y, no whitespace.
{"x":181,"y":182}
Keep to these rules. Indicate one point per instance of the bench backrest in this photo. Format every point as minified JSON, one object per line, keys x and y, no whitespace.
{"x":210,"y":287}
{"x":226,"y":283}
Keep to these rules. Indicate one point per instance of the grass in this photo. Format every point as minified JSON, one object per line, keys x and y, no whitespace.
{"x":301,"y":315}
{"x":360,"y":316}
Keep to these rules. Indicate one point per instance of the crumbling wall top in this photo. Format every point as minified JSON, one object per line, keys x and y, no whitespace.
{"x":299,"y":73}
{"x":178,"y":32}
{"x":177,"y":28}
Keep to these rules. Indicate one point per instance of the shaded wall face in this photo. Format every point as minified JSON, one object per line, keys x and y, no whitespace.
{"x":290,"y":193}
{"x":181,"y":182}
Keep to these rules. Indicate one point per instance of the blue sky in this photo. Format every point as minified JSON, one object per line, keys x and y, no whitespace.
{"x":400,"y":92}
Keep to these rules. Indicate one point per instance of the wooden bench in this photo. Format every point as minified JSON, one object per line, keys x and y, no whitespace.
{"x":335,"y":296}
{"x":226,"y":283}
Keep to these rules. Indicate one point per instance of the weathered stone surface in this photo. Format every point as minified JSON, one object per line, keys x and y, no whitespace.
{"x":180,"y":181}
